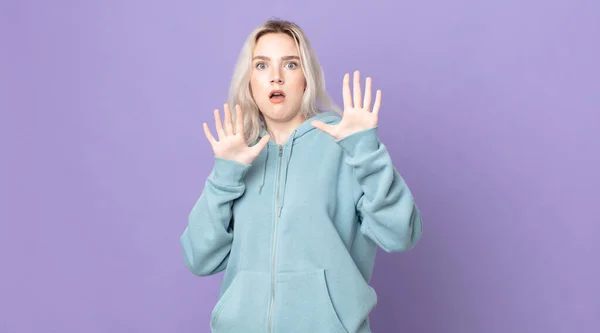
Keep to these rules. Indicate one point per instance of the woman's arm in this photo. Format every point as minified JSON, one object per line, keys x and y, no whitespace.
{"x":206,"y":241}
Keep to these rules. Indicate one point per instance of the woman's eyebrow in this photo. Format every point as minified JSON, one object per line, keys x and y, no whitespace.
{"x":261,"y":57}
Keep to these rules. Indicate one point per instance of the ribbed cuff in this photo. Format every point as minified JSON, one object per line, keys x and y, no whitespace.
{"x":361,"y":142}
{"x":229,"y":172}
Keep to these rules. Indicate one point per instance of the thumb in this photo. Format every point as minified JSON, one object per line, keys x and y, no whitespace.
{"x":260,"y":145}
{"x":322,"y":126}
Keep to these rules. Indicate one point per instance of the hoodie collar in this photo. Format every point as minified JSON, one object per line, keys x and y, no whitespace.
{"x":305,"y":127}
{"x":286,"y":149}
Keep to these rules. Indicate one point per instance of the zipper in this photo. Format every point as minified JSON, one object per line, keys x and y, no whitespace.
{"x":275,"y":241}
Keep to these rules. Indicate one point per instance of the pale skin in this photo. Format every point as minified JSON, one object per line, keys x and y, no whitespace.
{"x":276,"y":65}
{"x":274,"y":69}
{"x":232,"y":142}
{"x":358,"y":114}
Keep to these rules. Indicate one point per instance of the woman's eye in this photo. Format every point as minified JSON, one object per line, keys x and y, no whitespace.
{"x":291,"y":65}
{"x":261,"y":65}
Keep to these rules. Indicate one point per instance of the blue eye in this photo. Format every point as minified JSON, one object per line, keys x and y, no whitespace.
{"x":291,"y":65}
{"x":258,"y":65}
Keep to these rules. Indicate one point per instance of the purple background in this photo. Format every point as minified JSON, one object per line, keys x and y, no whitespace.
{"x":490,"y":109}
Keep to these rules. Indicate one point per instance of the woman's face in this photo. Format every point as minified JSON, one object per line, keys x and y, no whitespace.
{"x":277,"y":81}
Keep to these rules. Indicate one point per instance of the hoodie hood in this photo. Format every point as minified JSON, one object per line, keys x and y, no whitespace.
{"x":285,"y":149}
{"x":305,"y":127}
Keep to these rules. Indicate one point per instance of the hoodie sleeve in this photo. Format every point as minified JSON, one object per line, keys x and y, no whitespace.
{"x":206,"y":241}
{"x":386,"y":206}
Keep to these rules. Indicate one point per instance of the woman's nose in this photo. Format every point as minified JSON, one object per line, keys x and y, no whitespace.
{"x":276,"y":77}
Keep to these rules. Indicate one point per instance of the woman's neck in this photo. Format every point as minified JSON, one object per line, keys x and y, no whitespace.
{"x":280,"y":131}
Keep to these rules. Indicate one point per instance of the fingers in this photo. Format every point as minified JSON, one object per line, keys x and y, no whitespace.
{"x":229,"y":127}
{"x":353,"y":98}
{"x":228,"y":122}
{"x":357,"y":91}
{"x":218,"y":125}
{"x":377,"y":104}
{"x":209,"y":135}
{"x":323,"y":127}
{"x":346,"y":94}
{"x":368,"y":89}
{"x":260,"y":145}
{"x":239,"y":120}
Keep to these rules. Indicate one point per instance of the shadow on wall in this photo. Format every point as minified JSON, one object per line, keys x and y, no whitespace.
{"x":428,"y":288}
{"x":461,"y":277}
{"x":416,"y":290}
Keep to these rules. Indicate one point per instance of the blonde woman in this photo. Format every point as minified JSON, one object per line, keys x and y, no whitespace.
{"x":299,"y":198}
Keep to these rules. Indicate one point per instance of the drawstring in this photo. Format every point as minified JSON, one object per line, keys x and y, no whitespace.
{"x":264,"y":175}
{"x":288,"y":157}
{"x":262,"y":181}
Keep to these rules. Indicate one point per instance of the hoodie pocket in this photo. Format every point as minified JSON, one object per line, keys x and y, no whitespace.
{"x":303,"y":304}
{"x":243,"y":306}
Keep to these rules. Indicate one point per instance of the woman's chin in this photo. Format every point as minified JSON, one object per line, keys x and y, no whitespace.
{"x":279,"y":113}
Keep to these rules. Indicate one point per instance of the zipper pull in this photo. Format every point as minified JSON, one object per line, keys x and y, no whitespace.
{"x":280,"y":151}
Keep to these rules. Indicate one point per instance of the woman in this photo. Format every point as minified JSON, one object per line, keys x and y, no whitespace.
{"x":298,"y":199}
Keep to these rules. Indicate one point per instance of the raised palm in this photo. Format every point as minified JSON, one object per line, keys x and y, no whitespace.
{"x":357,"y":115}
{"x":232,"y":143}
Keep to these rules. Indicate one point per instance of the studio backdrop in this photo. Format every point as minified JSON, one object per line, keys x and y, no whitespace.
{"x":490,"y":111}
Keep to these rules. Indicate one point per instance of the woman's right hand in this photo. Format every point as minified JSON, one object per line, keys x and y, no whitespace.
{"x":232,"y":141}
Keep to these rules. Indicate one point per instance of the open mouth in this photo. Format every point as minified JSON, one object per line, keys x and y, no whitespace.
{"x":277,"y":96}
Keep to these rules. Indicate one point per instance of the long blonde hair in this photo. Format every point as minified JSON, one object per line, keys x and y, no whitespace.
{"x":315,"y":99}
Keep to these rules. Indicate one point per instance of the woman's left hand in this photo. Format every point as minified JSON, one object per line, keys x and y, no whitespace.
{"x":357,"y":115}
